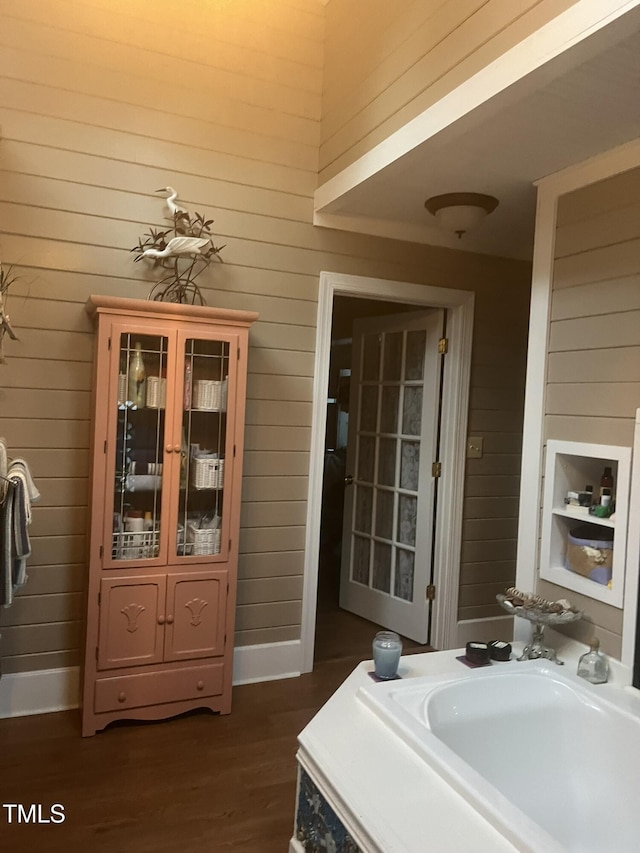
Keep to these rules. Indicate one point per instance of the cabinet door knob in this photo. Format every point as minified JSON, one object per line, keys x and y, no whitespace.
{"x":200,"y":685}
{"x":160,"y":620}
{"x":169,"y":448}
{"x":169,"y":619}
{"x":176,"y":448}
{"x":122,"y":697}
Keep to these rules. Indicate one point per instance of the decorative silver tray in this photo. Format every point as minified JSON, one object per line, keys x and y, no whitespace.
{"x":539,"y":617}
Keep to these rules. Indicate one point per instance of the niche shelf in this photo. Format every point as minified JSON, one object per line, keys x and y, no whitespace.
{"x":570,"y":466}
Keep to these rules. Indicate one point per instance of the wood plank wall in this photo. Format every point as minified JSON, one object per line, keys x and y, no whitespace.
{"x":102,"y":102}
{"x":593,"y":381}
{"x":388,"y":62}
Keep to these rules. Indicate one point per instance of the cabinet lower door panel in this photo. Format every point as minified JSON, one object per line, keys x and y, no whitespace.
{"x":196,"y":615}
{"x":156,"y":688}
{"x":131,"y":621}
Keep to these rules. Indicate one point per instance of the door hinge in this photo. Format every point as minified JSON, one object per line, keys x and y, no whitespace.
{"x":99,"y":598}
{"x":234,"y":451}
{"x":436,"y":469}
{"x":229,"y":544}
{"x":108,"y":343}
{"x":102,"y":550}
{"x":96,"y":654}
{"x":443,"y":346}
{"x":105,"y":445}
{"x":431,"y":592}
{"x":238,"y":353}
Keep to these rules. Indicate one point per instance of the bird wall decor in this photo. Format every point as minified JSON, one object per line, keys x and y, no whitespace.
{"x":185,"y":251}
{"x":178,"y":246}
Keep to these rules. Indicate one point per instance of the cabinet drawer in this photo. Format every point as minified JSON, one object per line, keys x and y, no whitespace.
{"x":156,"y":688}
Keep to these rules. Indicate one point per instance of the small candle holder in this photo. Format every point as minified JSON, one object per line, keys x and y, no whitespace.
{"x":387,"y":648}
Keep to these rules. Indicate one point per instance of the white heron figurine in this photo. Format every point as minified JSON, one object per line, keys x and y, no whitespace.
{"x":178,"y":246}
{"x":172,"y":204}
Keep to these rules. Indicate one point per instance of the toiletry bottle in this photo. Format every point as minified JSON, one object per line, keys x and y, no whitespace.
{"x":606,"y":481}
{"x":137,"y":389}
{"x":593,"y":664}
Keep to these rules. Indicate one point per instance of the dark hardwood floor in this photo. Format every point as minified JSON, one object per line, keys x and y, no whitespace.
{"x":195,"y":783}
{"x":199,"y":782}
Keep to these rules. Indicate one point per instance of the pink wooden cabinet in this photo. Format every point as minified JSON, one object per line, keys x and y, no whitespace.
{"x":169,"y":399}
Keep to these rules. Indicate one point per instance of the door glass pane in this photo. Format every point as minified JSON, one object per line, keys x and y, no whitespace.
{"x":366,"y":450}
{"x":387,"y":461}
{"x":389,"y":412}
{"x":409,"y":462}
{"x":140,"y":430}
{"x":392,"y":355}
{"x":360,"y":572}
{"x":371,"y":357}
{"x":203,"y":446}
{"x":381,"y":566}
{"x":364,"y":508}
{"x":412,"y":410}
{"x":416,"y":345}
{"x":407,"y":515}
{"x":368,"y":408}
{"x":403,"y":584}
{"x":384,"y":514}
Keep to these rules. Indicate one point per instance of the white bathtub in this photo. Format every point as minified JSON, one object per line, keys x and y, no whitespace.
{"x":552,"y":761}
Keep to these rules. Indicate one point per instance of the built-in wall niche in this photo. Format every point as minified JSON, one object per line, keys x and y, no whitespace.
{"x":579,"y":550}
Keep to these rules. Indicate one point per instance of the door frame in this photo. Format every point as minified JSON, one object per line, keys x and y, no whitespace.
{"x":455,"y":405}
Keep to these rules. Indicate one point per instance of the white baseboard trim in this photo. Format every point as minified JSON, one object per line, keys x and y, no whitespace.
{"x":267,"y":662}
{"x":48,"y":690}
{"x":295,"y":846}
{"x":41,"y":692}
{"x":483,"y":630}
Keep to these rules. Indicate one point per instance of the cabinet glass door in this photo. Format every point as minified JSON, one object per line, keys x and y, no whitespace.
{"x":139,"y":446}
{"x":204,"y":447}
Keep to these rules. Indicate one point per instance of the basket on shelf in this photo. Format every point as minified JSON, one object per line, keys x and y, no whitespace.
{"x":203,"y":540}
{"x":207,"y":472}
{"x":156,"y":392}
{"x":135,"y":546}
{"x":209,"y":395}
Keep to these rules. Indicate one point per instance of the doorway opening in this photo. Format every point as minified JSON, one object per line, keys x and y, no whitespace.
{"x":458,"y":305}
{"x":339,"y":632}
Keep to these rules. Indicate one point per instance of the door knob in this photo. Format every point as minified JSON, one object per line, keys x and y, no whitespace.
{"x":200,"y":685}
{"x":169,"y":620}
{"x":348,"y":480}
{"x":176,"y":448}
{"x":122,"y":697}
{"x":169,"y":448}
{"x":160,"y":620}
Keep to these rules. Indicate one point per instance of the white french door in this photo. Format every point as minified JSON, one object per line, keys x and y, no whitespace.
{"x":389,"y":499}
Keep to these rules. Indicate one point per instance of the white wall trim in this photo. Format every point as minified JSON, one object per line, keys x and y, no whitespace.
{"x":43,"y":691}
{"x":581,"y":20}
{"x":266,"y":662}
{"x":455,"y":405}
{"x":633,"y":555}
{"x":534,"y":400}
{"x":606,"y":165}
{"x":49,"y":690}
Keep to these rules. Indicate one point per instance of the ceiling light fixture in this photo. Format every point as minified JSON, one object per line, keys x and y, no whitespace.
{"x":460,"y":212}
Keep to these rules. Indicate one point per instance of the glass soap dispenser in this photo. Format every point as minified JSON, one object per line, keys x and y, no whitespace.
{"x":593,"y":664}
